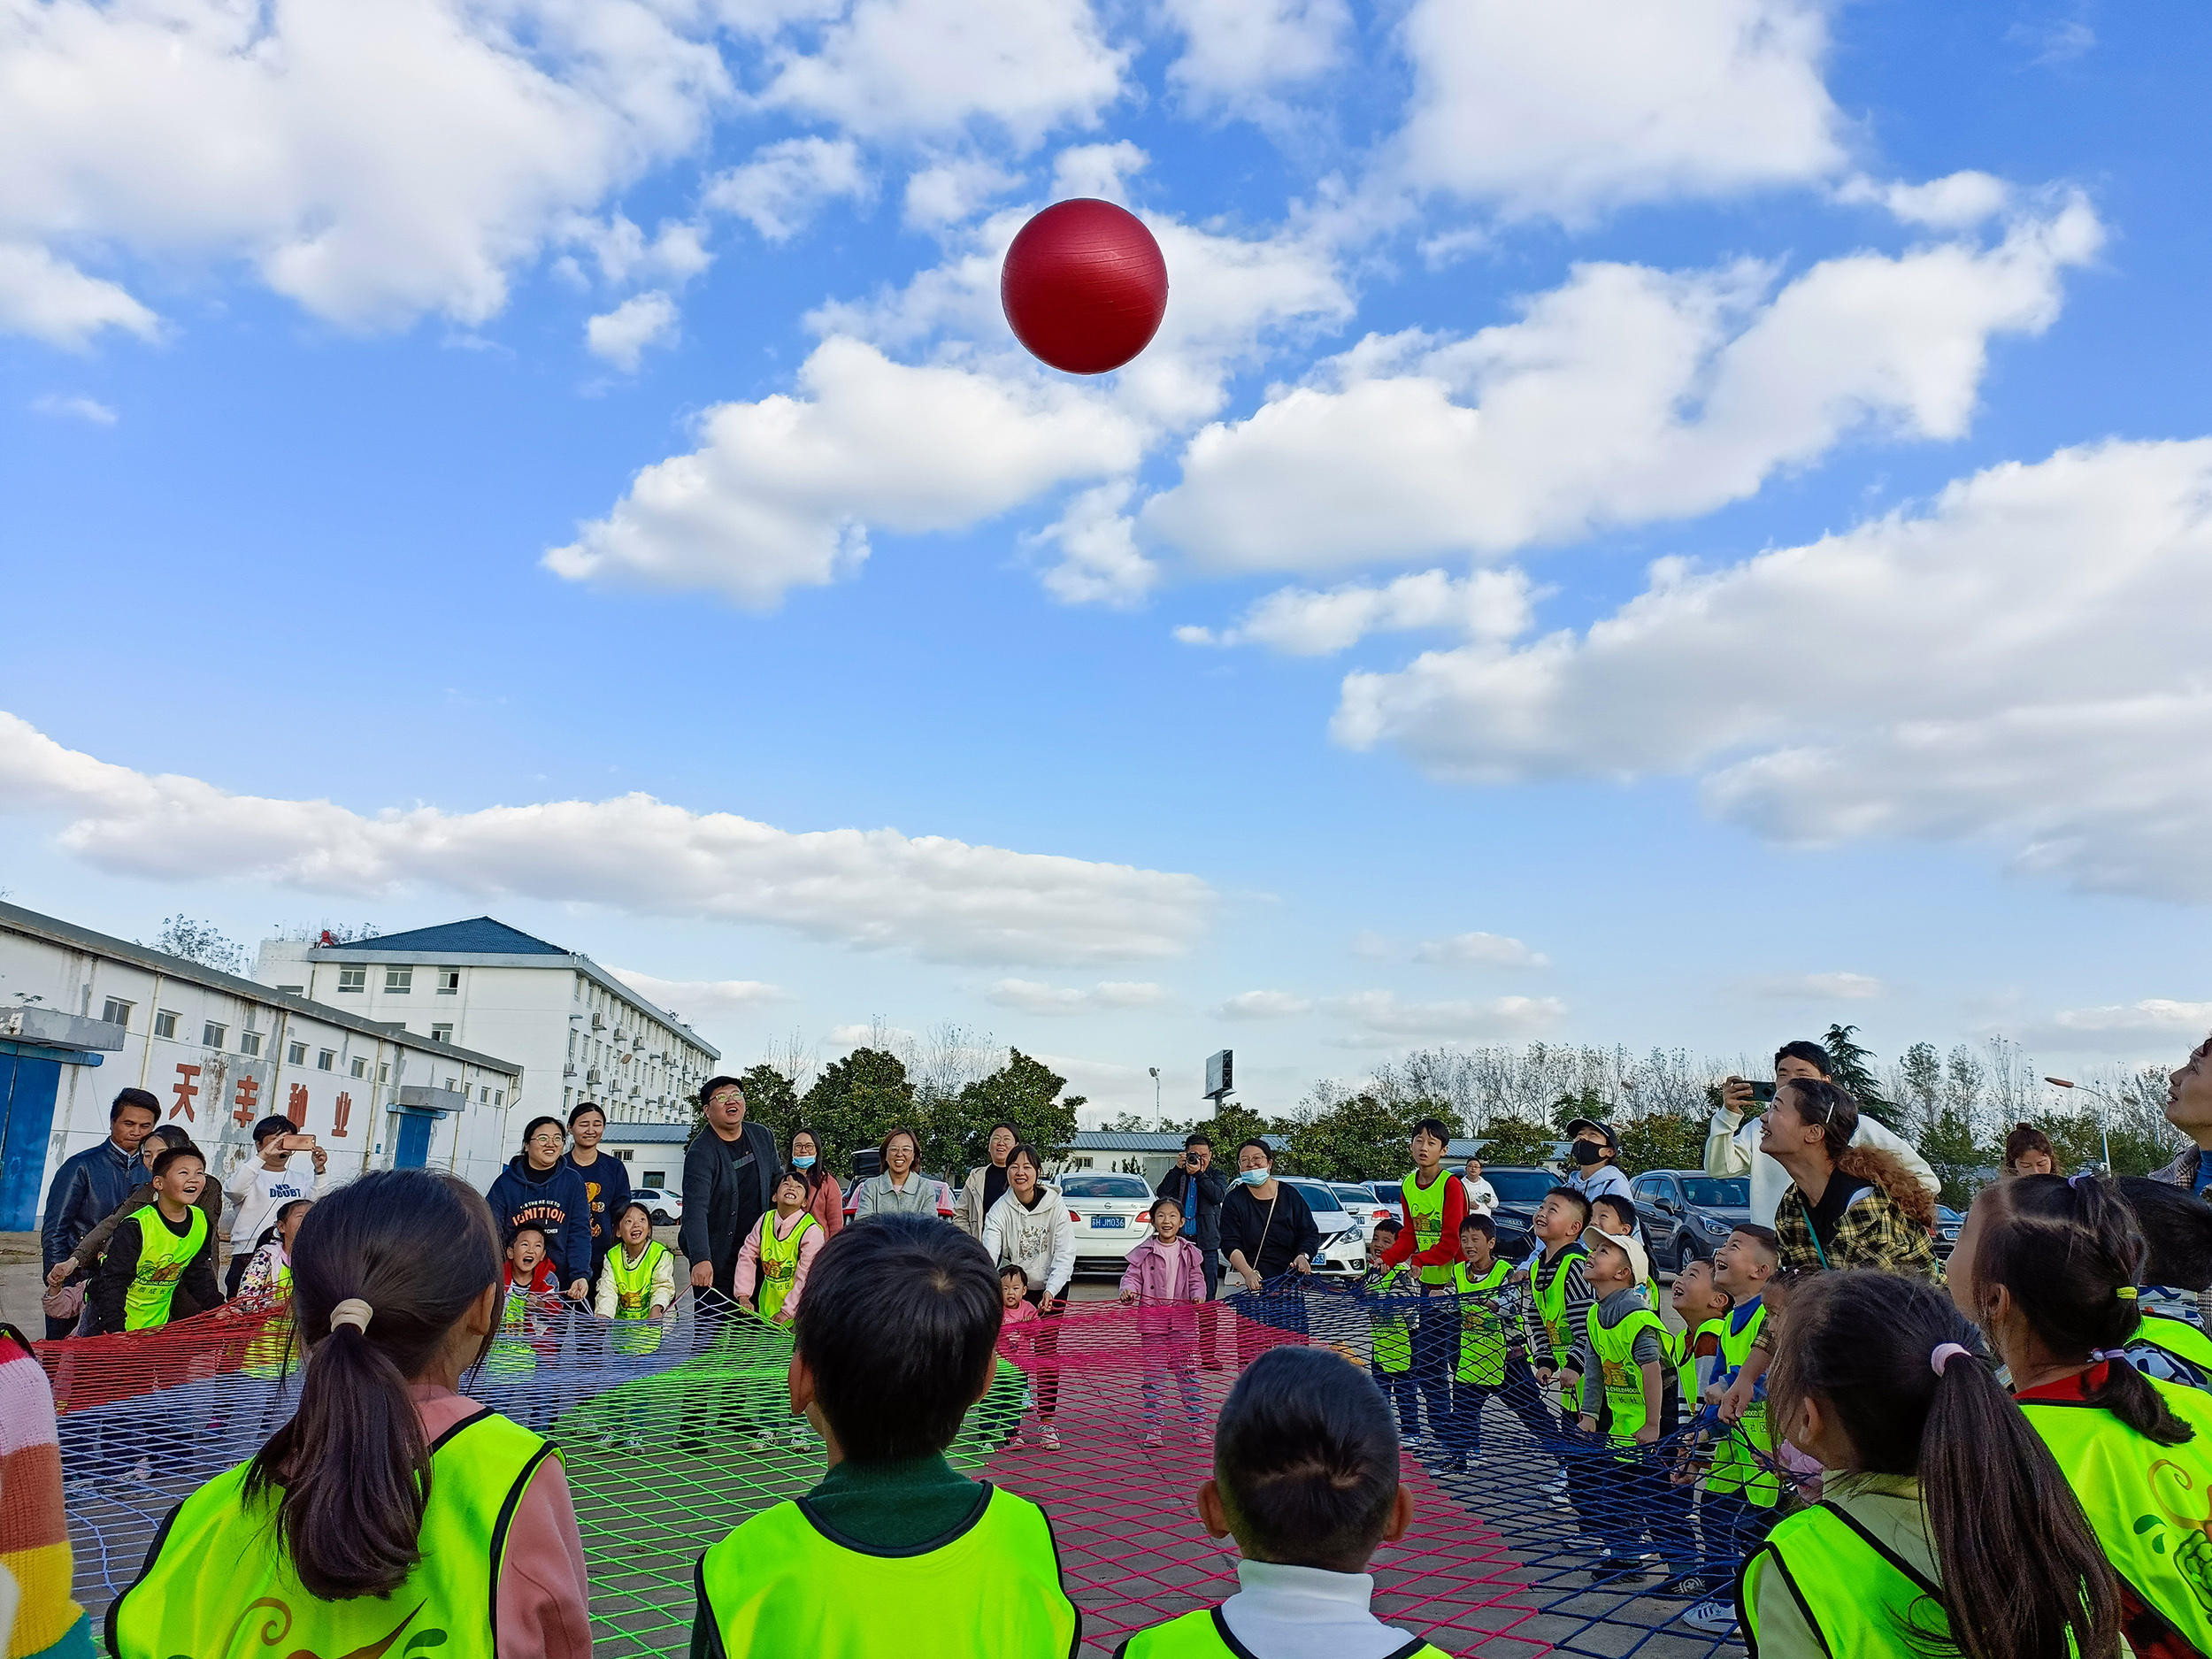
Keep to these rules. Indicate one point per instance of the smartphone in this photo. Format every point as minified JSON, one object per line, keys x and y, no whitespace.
{"x":306,"y":1143}
{"x":1762,"y":1092}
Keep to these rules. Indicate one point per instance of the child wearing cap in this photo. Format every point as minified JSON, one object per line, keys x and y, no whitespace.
{"x":1628,"y":1403}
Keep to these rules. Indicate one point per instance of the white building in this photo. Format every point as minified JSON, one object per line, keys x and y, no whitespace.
{"x":580,"y":1033}
{"x":83,"y":1016}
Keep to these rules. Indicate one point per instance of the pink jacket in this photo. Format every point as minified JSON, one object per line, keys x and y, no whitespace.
{"x":1014,"y":1334}
{"x":827,"y":1204}
{"x":1147,"y":1275}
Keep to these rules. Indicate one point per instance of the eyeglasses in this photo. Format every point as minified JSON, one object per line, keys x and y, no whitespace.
{"x":545,"y":1140}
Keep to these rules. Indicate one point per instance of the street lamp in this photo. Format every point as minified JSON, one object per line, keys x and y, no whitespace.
{"x":2104,"y":1135}
{"x":1156,"y":1097}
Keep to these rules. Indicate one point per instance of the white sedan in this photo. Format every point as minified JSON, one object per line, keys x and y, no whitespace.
{"x":665,"y":1205}
{"x":1113,"y":1214}
{"x":1343,"y":1242}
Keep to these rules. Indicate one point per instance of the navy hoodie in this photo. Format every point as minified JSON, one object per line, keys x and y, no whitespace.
{"x":552,"y":1200}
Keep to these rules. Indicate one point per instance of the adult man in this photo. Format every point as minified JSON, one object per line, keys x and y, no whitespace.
{"x":1596,"y":1151}
{"x":1196,"y":1185}
{"x":1732,"y":1142}
{"x":89,"y":1187}
{"x":1482,"y":1198}
{"x":2189,"y":1108}
{"x":730,"y":1172}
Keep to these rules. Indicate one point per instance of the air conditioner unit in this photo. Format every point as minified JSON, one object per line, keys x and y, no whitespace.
{"x":592,"y":1075}
{"x":568,"y":1071}
{"x":598,"y":1024}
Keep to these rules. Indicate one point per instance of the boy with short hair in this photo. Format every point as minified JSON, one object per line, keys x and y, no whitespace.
{"x":896,"y":1339}
{"x":1390,"y":1343}
{"x":168,"y":1244}
{"x":1434,"y":1201}
{"x":1741,"y":1487}
{"x":1558,"y":1294}
{"x":1306,"y":1480}
{"x":261,"y":1185}
{"x":1478,"y":1276}
{"x":1627,"y":1400}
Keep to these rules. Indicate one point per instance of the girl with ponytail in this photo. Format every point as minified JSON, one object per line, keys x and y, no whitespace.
{"x":1947,"y":1528}
{"x":392,"y":1513}
{"x":2050,"y":1268}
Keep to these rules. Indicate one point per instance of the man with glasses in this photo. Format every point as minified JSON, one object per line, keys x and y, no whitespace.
{"x":1733,"y":1142}
{"x":730,"y":1172}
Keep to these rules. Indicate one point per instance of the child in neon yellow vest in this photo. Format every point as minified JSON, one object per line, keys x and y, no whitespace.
{"x":782,"y":1247}
{"x":1305,"y":1528}
{"x":1479,"y":1277}
{"x":1389,"y":1339}
{"x":166,"y":1244}
{"x":1627,"y":1400}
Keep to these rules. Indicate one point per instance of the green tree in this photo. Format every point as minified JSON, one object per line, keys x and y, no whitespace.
{"x":771,"y":1100}
{"x":855,"y":1102}
{"x":1662,"y":1141}
{"x":1359,"y":1139}
{"x":1585,"y":1102}
{"x":2074,"y":1137}
{"x":1852,"y":1065}
{"x":1955,"y":1153}
{"x":1024,"y":1092}
{"x":1518,"y":1141}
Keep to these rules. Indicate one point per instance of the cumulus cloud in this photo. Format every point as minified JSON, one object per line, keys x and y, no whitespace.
{"x":877,"y":889}
{"x":1385,"y":1022}
{"x":1571,"y":108}
{"x":73,"y":408}
{"x":1100,"y":562}
{"x":781,"y":188}
{"x":1237,"y":52}
{"x":1264,"y":1005}
{"x":1032,"y":996}
{"x":1817,"y":987}
{"x":2155,"y":1024}
{"x":1958,"y":201}
{"x":622,"y":334}
{"x":51,"y":300}
{"x":947,"y":193}
{"x":701,"y":1002}
{"x":1100,"y":170}
{"x":1627,"y":394}
{"x":1298,"y":622}
{"x":1481,"y":950}
{"x":2003,"y":664}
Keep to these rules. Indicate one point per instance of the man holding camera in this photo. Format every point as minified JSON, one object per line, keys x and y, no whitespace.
{"x":1732,"y":1140}
{"x":1199,"y":1187}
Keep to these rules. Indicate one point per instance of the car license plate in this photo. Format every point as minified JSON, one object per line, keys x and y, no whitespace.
{"x":1108,"y":1221}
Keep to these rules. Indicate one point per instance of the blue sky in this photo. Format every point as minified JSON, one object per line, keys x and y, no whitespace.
{"x":1649,"y":521}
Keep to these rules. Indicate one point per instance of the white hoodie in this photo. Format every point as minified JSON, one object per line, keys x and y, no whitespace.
{"x":1732,"y":1147}
{"x":1042,"y":1239}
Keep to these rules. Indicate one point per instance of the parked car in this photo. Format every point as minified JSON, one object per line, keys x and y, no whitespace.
{"x":1343,"y":1243}
{"x":1688,"y":1214}
{"x":1948,"y":1221}
{"x":1113,"y":1214}
{"x":1520,"y":1190}
{"x":665,"y":1205}
{"x":1367,"y":1208}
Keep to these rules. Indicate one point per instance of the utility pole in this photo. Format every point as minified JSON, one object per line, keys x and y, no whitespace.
{"x":1156,"y":1097}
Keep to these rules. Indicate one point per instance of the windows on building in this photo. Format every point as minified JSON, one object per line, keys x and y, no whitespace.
{"x":499,"y":1096}
{"x":449,"y":981}
{"x":212,"y":1035}
{"x":384,"y":1071}
{"x":360,"y":1066}
{"x":296,"y":1054}
{"x":353,"y":979}
{"x":483,"y":1094}
{"x":651,"y":1178}
{"x":568,"y":1098}
{"x":326,"y":1061}
{"x":165,"y":1022}
{"x":442,"y":1033}
{"x":249,"y":1042}
{"x":118,"y":1012}
{"x":399,"y":981}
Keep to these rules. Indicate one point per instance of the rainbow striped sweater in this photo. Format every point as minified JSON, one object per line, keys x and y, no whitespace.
{"x":35,"y":1561}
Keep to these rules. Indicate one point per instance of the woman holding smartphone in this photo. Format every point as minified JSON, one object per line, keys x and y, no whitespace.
{"x":1733,"y":1143}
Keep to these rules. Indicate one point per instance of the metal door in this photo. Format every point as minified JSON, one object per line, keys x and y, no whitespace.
{"x":413,"y":1149}
{"x":27,"y":1089}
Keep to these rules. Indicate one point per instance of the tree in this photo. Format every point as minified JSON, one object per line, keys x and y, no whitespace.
{"x":1024,"y":1092}
{"x":1359,"y":1139}
{"x":1516,"y":1141}
{"x":1662,"y":1141}
{"x":1852,"y":1065}
{"x":200,"y":942}
{"x":856,"y":1102}
{"x":769,"y":1099}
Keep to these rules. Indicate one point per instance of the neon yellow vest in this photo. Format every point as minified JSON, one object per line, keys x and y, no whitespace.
{"x":1481,"y":1333}
{"x":993,"y":1589}
{"x":634,"y":1295}
{"x":2179,"y":1338}
{"x":1744,"y":1462}
{"x":1857,"y":1594}
{"x":162,"y":1259}
{"x":1623,"y":1377}
{"x":1551,"y":1301}
{"x":778,"y":1261}
{"x":510,"y":1355}
{"x":1391,"y":1342}
{"x":2150,"y":1505}
{"x":1205,"y":1635}
{"x":1426,"y":1207}
{"x":179,"y":1606}
{"x":1682,"y":1355}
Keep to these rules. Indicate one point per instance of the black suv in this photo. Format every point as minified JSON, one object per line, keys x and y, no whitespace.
{"x":1687,"y":1213}
{"x":1519,"y":1192}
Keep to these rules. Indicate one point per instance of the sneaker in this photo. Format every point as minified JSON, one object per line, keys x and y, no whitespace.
{"x":1015,"y":1443}
{"x":1714,"y":1616}
{"x":1692,"y":1586}
{"x":1050,"y":1439}
{"x":1152,"y":1438}
{"x":1618,"y":1570}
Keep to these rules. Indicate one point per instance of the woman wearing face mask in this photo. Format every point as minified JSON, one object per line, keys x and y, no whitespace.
{"x":826,"y":1199}
{"x":986,"y":1182}
{"x":1596,"y":1151}
{"x":1267,"y":1231}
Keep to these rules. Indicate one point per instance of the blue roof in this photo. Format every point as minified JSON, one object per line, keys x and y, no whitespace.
{"x":479,"y":937}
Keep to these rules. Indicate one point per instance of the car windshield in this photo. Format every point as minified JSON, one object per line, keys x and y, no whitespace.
{"x":1103,"y":1186}
{"x":1710,"y":1192}
{"x":1521,"y":1186}
{"x":1390,"y":1192}
{"x":1318,"y":1198}
{"x":1352,"y":1194}
{"x":1949,"y":1216}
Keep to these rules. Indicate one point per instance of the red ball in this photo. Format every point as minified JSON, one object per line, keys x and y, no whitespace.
{"x":1084,"y":285}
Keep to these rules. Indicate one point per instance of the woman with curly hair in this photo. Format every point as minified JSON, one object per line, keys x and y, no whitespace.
{"x":1846,"y":1206}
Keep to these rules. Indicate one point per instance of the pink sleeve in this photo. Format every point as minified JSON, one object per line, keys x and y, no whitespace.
{"x":1132,"y":1273}
{"x":808,"y":1246}
{"x":544,"y":1598}
{"x":748,"y":1255}
{"x":829,"y":1206}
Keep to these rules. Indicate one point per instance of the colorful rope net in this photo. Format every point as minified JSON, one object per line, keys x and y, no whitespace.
{"x":1527,"y":1538}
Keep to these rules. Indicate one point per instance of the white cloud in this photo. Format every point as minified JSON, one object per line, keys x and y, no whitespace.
{"x":677,"y":253}
{"x":1031,"y":997}
{"x":622,"y":334}
{"x":1264,"y":1005}
{"x":1817,"y":987}
{"x":876,"y":889}
{"x":2055,"y":41}
{"x":866,"y":1036}
{"x":782,"y":187}
{"x":372,"y":163}
{"x":51,"y":300}
{"x":1481,"y":950}
{"x":1236,"y":52}
{"x":2153,"y":1024}
{"x":917,"y":68}
{"x":1580,"y":105}
{"x":2003,"y":665}
{"x":782,"y":493}
{"x":1099,"y":560}
{"x":702,"y":1001}
{"x":1383,"y":1021}
{"x":1957,"y":202}
{"x":1488,"y":605}
{"x":949,"y":193}
{"x":73,"y":408}
{"x":1626,"y":396}
{"x":1098,"y":170}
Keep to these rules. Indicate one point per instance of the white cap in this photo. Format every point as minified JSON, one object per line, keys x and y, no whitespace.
{"x":1592,"y":1237}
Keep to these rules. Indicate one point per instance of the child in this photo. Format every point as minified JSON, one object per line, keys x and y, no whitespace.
{"x":1165,"y":1279}
{"x":1559,"y":1296}
{"x":1390,"y":1345}
{"x":168,"y":1244}
{"x":1948,"y":1528}
{"x":896,"y":1342}
{"x":264,"y":1184}
{"x":1694,"y":1353}
{"x":783,"y":1246}
{"x":1480,"y":1278}
{"x":2177,"y":1225}
{"x":390,"y":1491}
{"x":1306,"y":1480}
{"x":1614,"y":1214}
{"x":1434,"y":1201}
{"x":267,"y":1279}
{"x":1014,"y":1341}
{"x":1742,"y":1484}
{"x":1627,"y":1399}
{"x":638,"y":1281}
{"x":2047,"y":1268}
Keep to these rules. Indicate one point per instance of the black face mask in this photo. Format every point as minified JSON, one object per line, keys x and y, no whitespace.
{"x":1588,"y":1152}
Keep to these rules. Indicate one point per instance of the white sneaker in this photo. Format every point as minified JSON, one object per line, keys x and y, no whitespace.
{"x":1152,"y":1438}
{"x":1714,"y":1618}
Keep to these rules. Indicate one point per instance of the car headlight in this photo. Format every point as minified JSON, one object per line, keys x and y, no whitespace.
{"x":1719,"y":1229}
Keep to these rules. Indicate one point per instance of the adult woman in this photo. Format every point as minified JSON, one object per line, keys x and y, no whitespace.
{"x":538,"y":1187}
{"x":826,"y":1199}
{"x":901,"y":1189}
{"x":1846,"y":1206}
{"x":606,"y":1180}
{"x":2029,"y":1151}
{"x":986,"y":1182}
{"x":1029,"y":1227}
{"x":1267,"y":1230}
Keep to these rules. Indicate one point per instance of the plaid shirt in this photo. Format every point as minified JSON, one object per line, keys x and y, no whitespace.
{"x":1872,"y":1232}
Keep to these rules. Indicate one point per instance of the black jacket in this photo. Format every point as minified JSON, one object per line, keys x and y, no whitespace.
{"x":111,"y":1279}
{"x":1213,"y":1188}
{"x":1270,"y":1245}
{"x":86,"y":1189}
{"x":607,"y":1185}
{"x":714,"y":1209}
